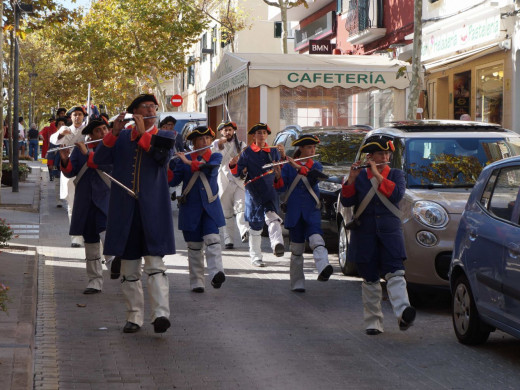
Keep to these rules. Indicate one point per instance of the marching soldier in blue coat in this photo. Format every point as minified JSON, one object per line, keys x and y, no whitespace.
{"x":89,"y":214}
{"x":303,"y":215}
{"x":139,"y":221}
{"x":260,"y":192}
{"x":377,"y":243}
{"x":200,"y":212}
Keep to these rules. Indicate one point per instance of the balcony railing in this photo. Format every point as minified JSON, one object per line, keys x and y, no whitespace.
{"x":361,"y":22}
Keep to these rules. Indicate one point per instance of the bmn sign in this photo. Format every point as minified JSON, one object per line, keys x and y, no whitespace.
{"x":321,"y":46}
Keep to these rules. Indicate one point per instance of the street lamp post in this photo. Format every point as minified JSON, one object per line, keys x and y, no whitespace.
{"x":18,"y":8}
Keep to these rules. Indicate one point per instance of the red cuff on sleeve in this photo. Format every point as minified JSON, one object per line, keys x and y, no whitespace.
{"x":278,"y":183}
{"x":66,"y":169}
{"x":234,"y":170}
{"x":145,"y":140}
{"x":303,"y":171}
{"x":195,"y":165}
{"x":348,"y":190}
{"x":90,"y":161}
{"x":170,"y":175}
{"x":386,"y":187}
{"x":109,"y":140}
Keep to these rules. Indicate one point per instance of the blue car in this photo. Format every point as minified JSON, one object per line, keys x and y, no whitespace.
{"x":485,"y":267}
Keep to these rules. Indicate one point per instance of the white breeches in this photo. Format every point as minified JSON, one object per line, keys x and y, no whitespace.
{"x":158,"y":288}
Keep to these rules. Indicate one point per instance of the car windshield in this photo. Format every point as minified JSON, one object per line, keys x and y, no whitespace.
{"x":339,"y":148}
{"x":453,"y":162}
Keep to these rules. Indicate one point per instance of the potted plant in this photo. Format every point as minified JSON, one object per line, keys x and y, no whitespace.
{"x":6,"y":233}
{"x":7,"y":173}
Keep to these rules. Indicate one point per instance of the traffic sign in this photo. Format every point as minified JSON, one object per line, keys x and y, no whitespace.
{"x":176,"y":100}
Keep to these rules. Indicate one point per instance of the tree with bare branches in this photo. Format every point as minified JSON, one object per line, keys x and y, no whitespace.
{"x":285,"y":5}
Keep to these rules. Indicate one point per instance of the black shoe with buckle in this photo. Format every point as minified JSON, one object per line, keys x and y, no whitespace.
{"x":90,"y":290}
{"x":229,"y":246}
{"x":115,"y":268}
{"x":407,"y":318}
{"x":279,"y":250}
{"x":373,"y":332}
{"x":161,"y":324}
{"x":218,"y":279}
{"x":130,"y":327}
{"x":75,"y":245}
{"x":258,"y":263}
{"x":325,"y":274}
{"x":198,"y":289}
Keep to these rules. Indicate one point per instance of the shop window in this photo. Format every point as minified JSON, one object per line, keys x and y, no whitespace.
{"x":335,"y":106}
{"x":237,"y":111}
{"x":461,"y":94}
{"x":490,"y":94}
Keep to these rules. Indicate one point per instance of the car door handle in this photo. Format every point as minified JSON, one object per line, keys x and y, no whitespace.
{"x":513,"y":250}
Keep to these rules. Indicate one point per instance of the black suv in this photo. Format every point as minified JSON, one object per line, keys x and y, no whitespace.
{"x":337,"y":151}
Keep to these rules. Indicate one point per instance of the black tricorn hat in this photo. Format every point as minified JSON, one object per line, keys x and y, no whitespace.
{"x":144,"y":97}
{"x":259,"y":126}
{"x":306,"y":139}
{"x":93,"y":123}
{"x":226,"y":124}
{"x":199,"y":132}
{"x":378,"y":143}
{"x":77,"y":108}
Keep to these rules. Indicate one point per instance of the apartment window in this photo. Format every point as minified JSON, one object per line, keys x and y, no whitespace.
{"x":203,"y":44}
{"x":214,"y":38}
{"x":191,"y":72}
{"x":277,"y":29}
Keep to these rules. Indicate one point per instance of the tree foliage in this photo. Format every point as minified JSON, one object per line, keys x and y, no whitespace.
{"x":228,"y":15}
{"x":120,"y":47}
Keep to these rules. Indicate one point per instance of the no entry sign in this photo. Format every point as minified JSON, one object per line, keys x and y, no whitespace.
{"x":176,"y":100}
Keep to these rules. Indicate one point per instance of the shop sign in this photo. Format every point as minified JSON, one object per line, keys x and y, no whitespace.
{"x":320,"y":28}
{"x":321,"y":46}
{"x":339,"y":79}
{"x":227,"y":84}
{"x":450,"y":40}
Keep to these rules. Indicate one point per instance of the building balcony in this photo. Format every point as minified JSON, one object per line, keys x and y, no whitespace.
{"x":364,"y":22}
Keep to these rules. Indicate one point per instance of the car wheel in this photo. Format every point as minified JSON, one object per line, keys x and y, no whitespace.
{"x":347,"y":267}
{"x":468,"y":327}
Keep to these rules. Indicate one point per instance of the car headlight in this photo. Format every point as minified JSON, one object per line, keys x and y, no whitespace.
{"x":430,"y":214}
{"x":329,"y":186}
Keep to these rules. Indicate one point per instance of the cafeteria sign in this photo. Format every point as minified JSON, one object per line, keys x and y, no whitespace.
{"x":337,"y":78}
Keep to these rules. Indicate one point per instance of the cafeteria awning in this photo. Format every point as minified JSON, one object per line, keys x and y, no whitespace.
{"x":293,"y":70}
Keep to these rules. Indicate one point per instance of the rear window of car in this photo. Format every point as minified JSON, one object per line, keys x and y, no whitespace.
{"x":453,"y":162}
{"x":339,"y":148}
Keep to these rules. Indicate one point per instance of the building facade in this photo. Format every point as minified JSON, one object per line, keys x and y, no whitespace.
{"x":260,"y":36}
{"x":469,"y":60}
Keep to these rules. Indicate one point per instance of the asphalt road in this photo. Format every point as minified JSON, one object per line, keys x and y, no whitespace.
{"x":253,"y":333}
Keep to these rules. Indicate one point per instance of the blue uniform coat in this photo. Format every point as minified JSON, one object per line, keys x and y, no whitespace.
{"x":142,"y":168}
{"x":197,"y":202}
{"x":301,"y":204}
{"x":376,"y":220}
{"x":260,"y":194}
{"x":91,"y":192}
